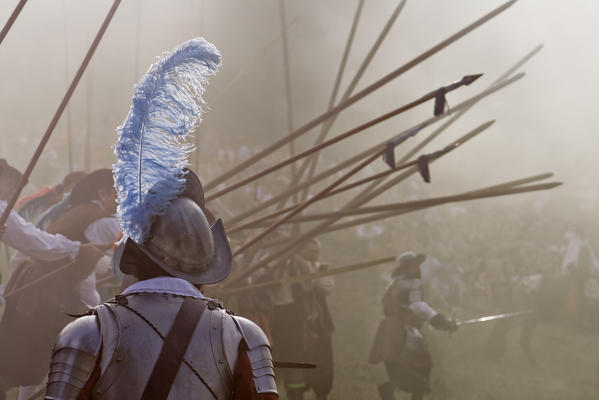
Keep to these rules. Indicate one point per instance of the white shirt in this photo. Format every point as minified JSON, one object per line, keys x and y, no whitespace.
{"x":101,"y":231}
{"x":26,"y":238}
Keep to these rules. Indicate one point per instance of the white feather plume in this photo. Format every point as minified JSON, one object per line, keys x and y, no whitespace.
{"x":152,"y":149}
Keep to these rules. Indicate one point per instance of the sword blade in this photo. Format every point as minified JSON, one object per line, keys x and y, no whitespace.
{"x":489,"y":318}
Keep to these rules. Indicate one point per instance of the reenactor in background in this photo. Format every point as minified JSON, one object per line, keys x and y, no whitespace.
{"x":302,"y":325}
{"x":42,"y":247}
{"x":33,"y":206}
{"x":35,"y":316}
{"x":399,"y":341}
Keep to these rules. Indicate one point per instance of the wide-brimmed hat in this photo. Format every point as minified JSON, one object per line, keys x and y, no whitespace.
{"x":407,"y":260}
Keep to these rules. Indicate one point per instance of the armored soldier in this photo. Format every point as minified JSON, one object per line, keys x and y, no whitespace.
{"x":399,"y":342}
{"x":162,"y":338}
{"x":302,"y":325}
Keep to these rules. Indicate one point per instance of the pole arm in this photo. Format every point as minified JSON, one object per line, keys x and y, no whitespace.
{"x":65,"y":100}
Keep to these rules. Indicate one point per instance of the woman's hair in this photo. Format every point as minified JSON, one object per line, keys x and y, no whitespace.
{"x":87,"y":188}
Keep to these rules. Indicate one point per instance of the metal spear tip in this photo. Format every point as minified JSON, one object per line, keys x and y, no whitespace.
{"x":468,"y":79}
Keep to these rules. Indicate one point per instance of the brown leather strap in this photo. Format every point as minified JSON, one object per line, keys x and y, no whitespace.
{"x":173,"y":349}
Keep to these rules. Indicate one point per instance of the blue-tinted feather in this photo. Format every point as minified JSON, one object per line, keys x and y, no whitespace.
{"x":152,"y":149}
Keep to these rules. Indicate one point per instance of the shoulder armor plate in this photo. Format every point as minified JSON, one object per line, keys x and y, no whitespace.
{"x":74,"y":358}
{"x":82,"y":334}
{"x":252,"y":334}
{"x":258,"y":351}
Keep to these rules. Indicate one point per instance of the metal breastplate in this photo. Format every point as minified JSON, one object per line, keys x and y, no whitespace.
{"x":131,"y":347}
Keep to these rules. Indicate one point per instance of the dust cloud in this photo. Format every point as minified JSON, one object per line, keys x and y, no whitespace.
{"x":545,"y":122}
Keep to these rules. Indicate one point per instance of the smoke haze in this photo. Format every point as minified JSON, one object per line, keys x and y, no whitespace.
{"x":545,"y":122}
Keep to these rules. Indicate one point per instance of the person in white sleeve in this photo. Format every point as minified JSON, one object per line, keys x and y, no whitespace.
{"x":43,"y":247}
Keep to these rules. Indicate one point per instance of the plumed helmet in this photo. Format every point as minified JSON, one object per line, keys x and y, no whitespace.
{"x":407,"y":260}
{"x":183,"y":244}
{"x":160,"y":209}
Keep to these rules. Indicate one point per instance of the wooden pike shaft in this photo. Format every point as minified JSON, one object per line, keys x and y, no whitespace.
{"x":66,"y":80}
{"x":371,"y":192}
{"x":310,"y":163}
{"x":336,"y":139}
{"x":497,"y":187}
{"x":363,"y":196}
{"x":345,"y":56}
{"x":259,"y":56}
{"x":287,"y":74}
{"x":505,"y":77}
{"x":308,"y":235}
{"x":302,"y":206}
{"x":257,"y":222}
{"x":384,"y":215}
{"x":481,"y":193}
{"x":501,"y":80}
{"x":11,"y":20}
{"x":358,"y":96}
{"x":418,"y":204}
{"x":289,"y":192}
{"x":298,"y":175}
{"x":40,"y":279}
{"x":87,"y":151}
{"x":378,"y":147}
{"x":514,"y":183}
{"x":296,"y":279}
{"x":57,"y":115}
{"x":457,"y":115}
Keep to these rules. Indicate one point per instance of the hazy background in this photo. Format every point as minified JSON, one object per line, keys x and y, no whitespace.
{"x":545,"y":122}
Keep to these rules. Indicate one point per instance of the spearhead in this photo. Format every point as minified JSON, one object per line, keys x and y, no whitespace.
{"x":468,"y":79}
{"x":441,"y":102}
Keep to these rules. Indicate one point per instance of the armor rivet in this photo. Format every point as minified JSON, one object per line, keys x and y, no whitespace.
{"x":220,"y":361}
{"x":119,"y":359}
{"x":214,"y":327}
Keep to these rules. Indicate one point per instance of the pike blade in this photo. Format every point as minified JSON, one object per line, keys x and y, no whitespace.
{"x":423,"y":168}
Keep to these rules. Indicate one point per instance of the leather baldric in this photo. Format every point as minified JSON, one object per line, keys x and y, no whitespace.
{"x":173,"y":350}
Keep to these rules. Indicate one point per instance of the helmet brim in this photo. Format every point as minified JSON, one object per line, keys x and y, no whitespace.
{"x":218,"y":269}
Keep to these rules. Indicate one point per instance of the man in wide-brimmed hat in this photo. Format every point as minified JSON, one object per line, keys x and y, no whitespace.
{"x":399,"y":342}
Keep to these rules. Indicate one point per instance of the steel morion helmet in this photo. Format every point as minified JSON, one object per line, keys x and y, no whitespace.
{"x":182,"y":243}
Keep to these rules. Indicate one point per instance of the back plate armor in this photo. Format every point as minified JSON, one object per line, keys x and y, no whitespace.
{"x":127,"y":337}
{"x":128,"y":360}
